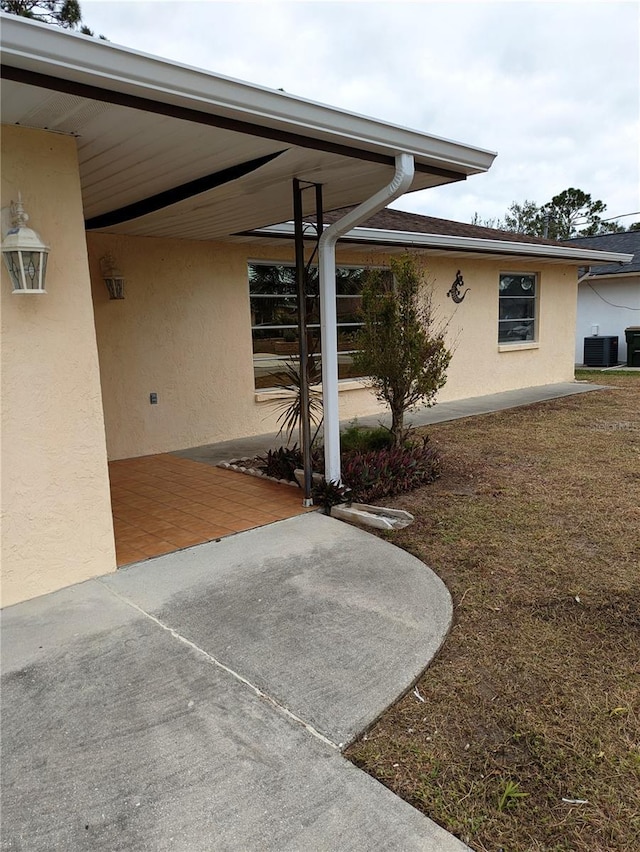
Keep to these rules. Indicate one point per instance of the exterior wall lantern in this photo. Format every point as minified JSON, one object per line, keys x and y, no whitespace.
{"x":112,"y":277}
{"x":24,"y":253}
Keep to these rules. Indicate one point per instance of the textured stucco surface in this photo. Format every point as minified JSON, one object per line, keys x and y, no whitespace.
{"x":184,"y":332}
{"x":56,"y":514}
{"x":478,"y":366}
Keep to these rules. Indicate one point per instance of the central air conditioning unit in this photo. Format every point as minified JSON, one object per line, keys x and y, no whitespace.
{"x":600,"y":351}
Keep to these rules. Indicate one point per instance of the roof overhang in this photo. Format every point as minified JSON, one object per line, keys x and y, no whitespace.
{"x":169,"y":150}
{"x":605,"y":276}
{"x":375,"y":237}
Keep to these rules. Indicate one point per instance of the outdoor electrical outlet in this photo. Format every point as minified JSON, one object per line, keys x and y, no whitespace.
{"x":153,"y":398}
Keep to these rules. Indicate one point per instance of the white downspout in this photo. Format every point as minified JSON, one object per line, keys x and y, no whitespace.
{"x":401,"y":182}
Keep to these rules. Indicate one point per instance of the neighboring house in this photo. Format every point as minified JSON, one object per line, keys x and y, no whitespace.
{"x":608,"y":295}
{"x":178,"y":175}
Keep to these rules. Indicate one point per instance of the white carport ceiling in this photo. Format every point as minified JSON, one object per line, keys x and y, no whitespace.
{"x":170,"y":151}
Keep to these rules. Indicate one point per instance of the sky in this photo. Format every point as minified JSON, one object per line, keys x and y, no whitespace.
{"x":553,"y":87}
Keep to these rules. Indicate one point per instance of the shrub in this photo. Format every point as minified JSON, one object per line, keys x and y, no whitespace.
{"x":400,"y":347}
{"x":328,"y":494}
{"x":281,"y":463}
{"x":367,"y":476}
{"x":364,"y":439}
{"x":291,"y":409}
{"x":383,"y":473}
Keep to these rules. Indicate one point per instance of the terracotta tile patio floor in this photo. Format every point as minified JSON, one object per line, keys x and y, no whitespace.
{"x":164,"y":503}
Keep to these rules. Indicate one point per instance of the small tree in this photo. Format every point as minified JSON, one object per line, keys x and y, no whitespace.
{"x":489,"y":222}
{"x":403,"y":355}
{"x":524,"y":218}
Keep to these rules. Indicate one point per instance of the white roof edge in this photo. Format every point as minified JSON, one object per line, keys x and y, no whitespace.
{"x":476,"y":244}
{"x":33,"y":46}
{"x":624,"y":273}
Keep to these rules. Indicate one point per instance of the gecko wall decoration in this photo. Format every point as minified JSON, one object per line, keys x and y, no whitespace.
{"x":454,"y":290}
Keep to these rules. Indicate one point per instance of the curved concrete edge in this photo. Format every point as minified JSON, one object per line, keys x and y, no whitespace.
{"x":117,"y":736}
{"x":331,"y":622}
{"x":126,"y":727}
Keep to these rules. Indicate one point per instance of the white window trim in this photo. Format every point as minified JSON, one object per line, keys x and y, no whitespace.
{"x":524,"y":344}
{"x":271,"y":394}
{"x":517,"y":347}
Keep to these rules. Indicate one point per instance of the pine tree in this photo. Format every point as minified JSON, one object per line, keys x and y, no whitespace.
{"x":63,"y":13}
{"x":571,"y":213}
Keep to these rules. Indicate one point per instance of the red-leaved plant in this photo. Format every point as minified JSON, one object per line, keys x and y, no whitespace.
{"x":383,"y":473}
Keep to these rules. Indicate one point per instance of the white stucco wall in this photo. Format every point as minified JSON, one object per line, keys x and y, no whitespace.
{"x":184,"y":332}
{"x":612,"y":304}
{"x":56,"y":512}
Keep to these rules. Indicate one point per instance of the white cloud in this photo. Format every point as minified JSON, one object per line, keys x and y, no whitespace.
{"x":553,"y":87}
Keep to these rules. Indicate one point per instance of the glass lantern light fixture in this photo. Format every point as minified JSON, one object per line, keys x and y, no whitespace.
{"x":112,"y":277}
{"x":24,"y":253}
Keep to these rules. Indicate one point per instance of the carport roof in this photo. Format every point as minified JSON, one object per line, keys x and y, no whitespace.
{"x":172,"y":151}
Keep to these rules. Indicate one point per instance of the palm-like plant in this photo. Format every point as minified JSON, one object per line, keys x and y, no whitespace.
{"x":291,"y":408}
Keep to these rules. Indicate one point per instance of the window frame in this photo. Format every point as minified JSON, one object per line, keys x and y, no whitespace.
{"x":293,"y":327}
{"x":534,"y":318}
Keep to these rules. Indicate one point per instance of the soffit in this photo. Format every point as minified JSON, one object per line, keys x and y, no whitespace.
{"x":145,"y":127}
{"x":127,"y":155}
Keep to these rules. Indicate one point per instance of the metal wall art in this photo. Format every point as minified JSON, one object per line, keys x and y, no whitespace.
{"x":454,"y":290}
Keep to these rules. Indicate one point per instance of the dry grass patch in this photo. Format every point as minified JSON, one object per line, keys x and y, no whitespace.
{"x":535,"y":697}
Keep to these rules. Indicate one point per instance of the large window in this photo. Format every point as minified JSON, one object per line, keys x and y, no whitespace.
{"x":518,"y":307}
{"x":274,"y":319}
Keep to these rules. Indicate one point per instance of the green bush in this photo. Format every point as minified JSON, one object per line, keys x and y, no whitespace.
{"x":400,"y":347}
{"x":364,"y":439}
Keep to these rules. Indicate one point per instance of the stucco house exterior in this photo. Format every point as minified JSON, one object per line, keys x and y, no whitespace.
{"x":609,"y":294}
{"x":179,"y":178}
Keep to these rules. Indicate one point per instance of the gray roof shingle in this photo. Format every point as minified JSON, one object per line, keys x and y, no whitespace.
{"x":628,"y":241}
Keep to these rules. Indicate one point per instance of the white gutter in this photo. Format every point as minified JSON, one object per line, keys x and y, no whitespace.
{"x":41,"y":48}
{"x":328,"y":312}
{"x":605,"y":276}
{"x":413,"y":239}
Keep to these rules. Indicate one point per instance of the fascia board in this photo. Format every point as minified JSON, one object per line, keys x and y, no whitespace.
{"x":411,"y":239}
{"x":40,"y":48}
{"x":605,"y":276}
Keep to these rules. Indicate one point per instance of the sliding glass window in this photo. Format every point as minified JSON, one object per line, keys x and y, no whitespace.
{"x":274,"y":319}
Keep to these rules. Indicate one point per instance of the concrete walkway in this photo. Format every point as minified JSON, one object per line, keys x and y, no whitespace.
{"x":199,"y":701}
{"x":443,"y":411}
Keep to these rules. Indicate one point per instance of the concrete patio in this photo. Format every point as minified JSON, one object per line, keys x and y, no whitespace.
{"x":200,"y":701}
